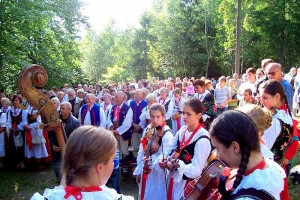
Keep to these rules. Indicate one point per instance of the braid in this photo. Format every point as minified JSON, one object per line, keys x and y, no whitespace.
{"x":70,"y":176}
{"x":287,"y":104}
{"x":244,"y":161}
{"x":242,"y":167}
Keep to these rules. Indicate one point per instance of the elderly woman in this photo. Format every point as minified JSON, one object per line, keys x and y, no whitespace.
{"x":167,"y":103}
{"x":5,"y":102}
{"x":2,"y":132}
{"x":16,"y":120}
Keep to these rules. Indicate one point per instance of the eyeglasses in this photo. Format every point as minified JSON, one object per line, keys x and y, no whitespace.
{"x":272,"y":73}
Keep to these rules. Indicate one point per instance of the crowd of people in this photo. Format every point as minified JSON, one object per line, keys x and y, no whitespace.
{"x":172,"y":125}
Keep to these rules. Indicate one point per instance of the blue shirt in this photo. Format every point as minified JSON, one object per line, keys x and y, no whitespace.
{"x":117,"y":160}
{"x":288,"y":91}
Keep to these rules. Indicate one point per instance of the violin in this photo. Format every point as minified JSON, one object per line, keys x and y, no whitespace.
{"x":206,"y":186}
{"x":153,"y":137}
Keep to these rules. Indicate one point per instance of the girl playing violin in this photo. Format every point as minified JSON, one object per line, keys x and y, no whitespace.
{"x":236,"y":139}
{"x":191,"y":147}
{"x":157,"y":137}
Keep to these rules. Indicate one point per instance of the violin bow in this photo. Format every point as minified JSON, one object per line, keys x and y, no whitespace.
{"x":163,"y":150}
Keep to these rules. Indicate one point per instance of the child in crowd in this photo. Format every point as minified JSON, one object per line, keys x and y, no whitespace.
{"x":233,"y":102}
{"x":190,"y":88}
{"x":222,"y":96}
{"x":236,"y":139}
{"x":263,"y":120}
{"x":283,"y":135}
{"x":247,"y":97}
{"x":148,"y":173}
{"x":192,"y":144}
{"x":178,"y":101}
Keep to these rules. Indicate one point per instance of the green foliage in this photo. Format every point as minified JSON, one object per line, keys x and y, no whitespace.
{"x":40,"y":32}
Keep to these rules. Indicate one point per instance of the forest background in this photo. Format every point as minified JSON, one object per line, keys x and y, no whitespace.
{"x":174,"y":38}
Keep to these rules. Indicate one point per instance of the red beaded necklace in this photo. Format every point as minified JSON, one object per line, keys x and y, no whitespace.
{"x":261,"y":165}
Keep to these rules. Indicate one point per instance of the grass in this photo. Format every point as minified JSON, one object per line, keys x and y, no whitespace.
{"x":22,"y":185}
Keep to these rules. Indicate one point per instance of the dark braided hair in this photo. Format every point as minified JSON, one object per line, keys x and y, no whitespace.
{"x":236,"y":126}
{"x":196,"y":105}
{"x":272,"y":87}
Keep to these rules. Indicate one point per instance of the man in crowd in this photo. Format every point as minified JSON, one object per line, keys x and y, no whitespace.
{"x":75,"y":102}
{"x":290,"y":77}
{"x":69,"y":124}
{"x":137,"y":106}
{"x":274,"y":71}
{"x":91,"y":113}
{"x":120,"y":124}
{"x":60,"y":96}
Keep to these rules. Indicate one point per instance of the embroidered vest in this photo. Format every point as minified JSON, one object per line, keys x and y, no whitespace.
{"x":123,"y":111}
{"x":94,"y":114}
{"x":187,"y":153}
{"x":167,"y":106}
{"x":137,"y":110}
{"x":16,"y":119}
{"x":252,"y":193}
{"x":282,"y":141}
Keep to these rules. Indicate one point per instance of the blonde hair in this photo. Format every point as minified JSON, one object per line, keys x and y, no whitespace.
{"x":261,"y":117}
{"x":86,"y":147}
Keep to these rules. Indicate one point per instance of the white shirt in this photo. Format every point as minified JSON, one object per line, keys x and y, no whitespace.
{"x":87,"y":119}
{"x":127,"y":123}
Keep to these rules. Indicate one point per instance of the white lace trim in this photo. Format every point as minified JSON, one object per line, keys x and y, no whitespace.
{"x":200,"y":132}
{"x":286,"y":118}
{"x":58,"y":192}
{"x":269,"y":179}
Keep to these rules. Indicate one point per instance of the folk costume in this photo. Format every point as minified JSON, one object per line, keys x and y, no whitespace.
{"x":209,"y":109}
{"x":121,"y":120}
{"x":16,"y":120}
{"x":284,"y":135}
{"x":177,"y":121}
{"x":3,"y":133}
{"x":145,"y":117}
{"x":264,"y":181}
{"x":34,"y":140}
{"x":194,"y":149}
{"x":150,"y":187}
{"x":137,"y":108}
{"x":85,"y":193}
{"x":168,"y":104}
{"x":93,"y":115}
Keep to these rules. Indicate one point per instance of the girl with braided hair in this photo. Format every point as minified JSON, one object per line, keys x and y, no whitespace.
{"x":283,"y":135}
{"x":87,"y":164}
{"x":236,"y":139}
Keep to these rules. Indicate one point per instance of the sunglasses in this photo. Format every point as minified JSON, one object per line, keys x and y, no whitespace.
{"x":272,"y":73}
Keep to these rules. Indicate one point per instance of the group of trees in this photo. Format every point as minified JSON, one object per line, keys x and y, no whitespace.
{"x":40,"y":32}
{"x":175,"y":38}
{"x":195,"y":38}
